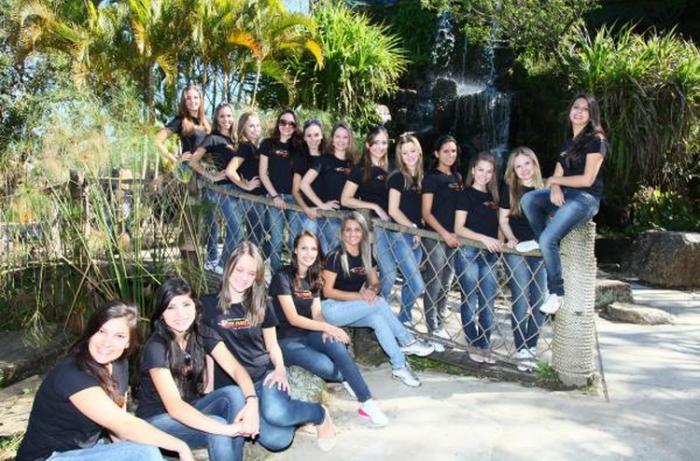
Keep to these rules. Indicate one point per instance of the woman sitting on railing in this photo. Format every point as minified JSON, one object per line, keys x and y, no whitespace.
{"x":217,"y":150}
{"x":172,"y":379}
{"x":574,"y":193}
{"x":277,"y":155}
{"x":85,"y":394}
{"x":306,"y":339}
{"x":331,"y":171}
{"x":245,"y":320}
{"x":350,"y":289}
{"x":314,"y":145}
{"x":476,"y":218}
{"x":190,"y":125}
{"x":526,"y":274}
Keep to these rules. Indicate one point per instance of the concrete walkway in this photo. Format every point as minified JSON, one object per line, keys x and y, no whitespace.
{"x":653,"y":379}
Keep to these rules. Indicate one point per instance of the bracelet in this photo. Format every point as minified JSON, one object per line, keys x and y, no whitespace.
{"x":252,"y":396}
{"x":274,"y":197}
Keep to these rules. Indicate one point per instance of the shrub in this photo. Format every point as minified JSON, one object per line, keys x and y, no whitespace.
{"x":654,"y":209}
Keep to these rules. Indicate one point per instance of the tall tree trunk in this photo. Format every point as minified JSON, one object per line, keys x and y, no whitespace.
{"x":258,"y":66}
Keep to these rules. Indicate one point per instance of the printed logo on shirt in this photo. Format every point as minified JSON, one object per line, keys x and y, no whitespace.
{"x":343,"y":170}
{"x":282,"y":153}
{"x":456,"y":186}
{"x":380,"y":177}
{"x":235,"y":324}
{"x":304,"y":294}
{"x":490,"y":205}
{"x":360,"y":270}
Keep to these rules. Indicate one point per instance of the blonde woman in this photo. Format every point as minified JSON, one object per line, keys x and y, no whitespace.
{"x":190,"y":125}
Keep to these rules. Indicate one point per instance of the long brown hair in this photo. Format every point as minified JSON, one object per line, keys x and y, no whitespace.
{"x":86,"y":362}
{"x":409,"y":180}
{"x":255,"y":296}
{"x":515,"y":186}
{"x":492,"y":185}
{"x":313,"y":274}
{"x":242,"y":121}
{"x":232,"y":131}
{"x":351,"y":154}
{"x":367,"y":156}
{"x":188,"y":125}
{"x":593,"y":129}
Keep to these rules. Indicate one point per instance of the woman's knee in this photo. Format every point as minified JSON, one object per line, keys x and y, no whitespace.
{"x":278,"y":440}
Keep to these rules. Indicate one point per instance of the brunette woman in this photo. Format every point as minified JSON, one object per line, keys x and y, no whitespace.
{"x":246,"y":322}
{"x":307,"y":340}
{"x":277,"y":154}
{"x":350,"y":289}
{"x":172,"y":379}
{"x":526,"y":275}
{"x":190,"y":125}
{"x":476,"y":218}
{"x":314,"y":145}
{"x":217,"y":151}
{"x":574,"y":193}
{"x":331,"y":171}
{"x":85,"y":394}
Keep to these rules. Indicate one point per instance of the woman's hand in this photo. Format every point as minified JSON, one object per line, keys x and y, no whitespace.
{"x":556,"y":196}
{"x":186,"y":156}
{"x":220,"y":176}
{"x":416,"y":241}
{"x":184,"y":453}
{"x":278,"y":377}
{"x":330,"y":205}
{"x":249,"y":418}
{"x":251,"y":184}
{"x":381,"y":213}
{"x":312,"y":213}
{"x":512,"y":242}
{"x":279,"y":202}
{"x":451,"y":240}
{"x":368,"y":294}
{"x":491,"y":244}
{"x":334,"y":333}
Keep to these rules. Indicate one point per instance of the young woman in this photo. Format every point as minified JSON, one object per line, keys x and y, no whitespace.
{"x":217,"y":151}
{"x":246,"y":322}
{"x":350,"y":286}
{"x":526,"y":275}
{"x":307,"y":340}
{"x":314,"y":145}
{"x":366,"y":189}
{"x":441,"y":188}
{"x":476,"y":218}
{"x":331,"y":171}
{"x":574,"y":193}
{"x":243,"y":171}
{"x":276,"y":158}
{"x":172,"y":378}
{"x":404,"y":208}
{"x":190,"y":125}
{"x":85,"y":394}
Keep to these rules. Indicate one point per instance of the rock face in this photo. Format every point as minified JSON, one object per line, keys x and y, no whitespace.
{"x":666,"y":259}
{"x":610,"y":291}
{"x":633,"y":313}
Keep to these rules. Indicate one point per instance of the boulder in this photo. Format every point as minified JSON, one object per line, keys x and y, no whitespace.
{"x":640,"y":315}
{"x":15,"y":404}
{"x":610,"y":291}
{"x":666,"y":259}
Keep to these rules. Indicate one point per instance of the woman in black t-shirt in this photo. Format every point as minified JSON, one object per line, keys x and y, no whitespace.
{"x":172,"y":379}
{"x":329,"y":173}
{"x":190,"y":125}
{"x":476,"y":218}
{"x":246,"y":322}
{"x":217,"y":150}
{"x":574,"y":193}
{"x":526,"y":275}
{"x":85,"y":394}
{"x":350,"y":287}
{"x":307,"y":340}
{"x":314,"y":145}
{"x":277,"y":155}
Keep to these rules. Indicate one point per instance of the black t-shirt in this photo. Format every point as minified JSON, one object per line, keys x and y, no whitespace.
{"x":445,"y":189}
{"x":332,"y":174}
{"x":55,"y":424}
{"x":374,"y":190}
{"x":482,"y":211}
{"x":244,"y":340}
{"x":576,"y":166}
{"x":518,"y":224}
{"x":155,"y":355}
{"x":219,"y":150}
{"x":300,"y":165}
{"x":357,"y":277}
{"x":410,"y":202}
{"x":248,"y":169}
{"x":190,"y":142}
{"x":279,"y":164}
{"x":282,"y":284}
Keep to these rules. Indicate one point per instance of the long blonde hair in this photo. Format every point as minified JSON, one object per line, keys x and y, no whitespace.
{"x":409,"y":179}
{"x":492,"y":186}
{"x":365,"y":248}
{"x":188,"y":125}
{"x":255,"y":296}
{"x":515,"y":186}
{"x":242,"y":121}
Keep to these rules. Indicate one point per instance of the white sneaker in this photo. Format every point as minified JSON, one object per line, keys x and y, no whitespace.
{"x":371,"y":411}
{"x":213,"y":266}
{"x":418,"y":347}
{"x":527,"y":246}
{"x":522,"y":354}
{"x":406,"y":376}
{"x":441,"y":333}
{"x":552,"y":304}
{"x":347,"y":387}
{"x":526,"y":365}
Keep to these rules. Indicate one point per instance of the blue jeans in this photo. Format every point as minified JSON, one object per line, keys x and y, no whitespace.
{"x":527,"y":280}
{"x":378,"y":317}
{"x":229,"y":207}
{"x":328,"y":359}
{"x":329,"y":233}
{"x":223,"y":404}
{"x":280,"y":415}
{"x":477,"y":277}
{"x":276,"y":222}
{"x":395,"y":251}
{"x":438,"y":280}
{"x":579,"y":208}
{"x":118,"y":451}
